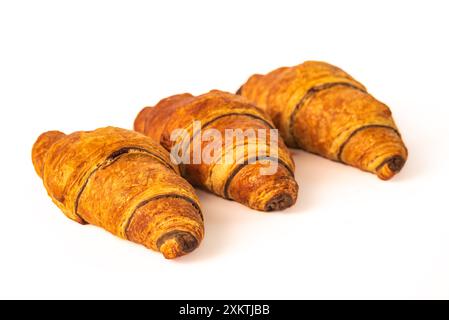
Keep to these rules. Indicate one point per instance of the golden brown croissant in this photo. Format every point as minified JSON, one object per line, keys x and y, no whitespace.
{"x":320,"y":108}
{"x":239,"y":179}
{"x":123,"y":182}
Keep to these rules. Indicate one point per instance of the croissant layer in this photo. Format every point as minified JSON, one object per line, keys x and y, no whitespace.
{"x":123,"y":182}
{"x":322,"y":109}
{"x":243,"y":178}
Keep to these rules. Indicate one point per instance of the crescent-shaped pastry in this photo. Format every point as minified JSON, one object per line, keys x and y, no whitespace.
{"x":121,"y":181}
{"x":239,"y":179}
{"x":322,"y":109}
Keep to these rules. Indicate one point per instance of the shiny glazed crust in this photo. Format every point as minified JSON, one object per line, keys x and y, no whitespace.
{"x":123,"y":182}
{"x":239,"y":181}
{"x":322,"y":109}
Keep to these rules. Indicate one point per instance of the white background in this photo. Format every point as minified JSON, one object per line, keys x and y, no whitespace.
{"x":80,"y":65}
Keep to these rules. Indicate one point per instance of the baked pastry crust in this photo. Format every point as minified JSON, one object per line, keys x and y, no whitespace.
{"x":123,"y":182}
{"x":322,"y":109}
{"x":240,"y":180}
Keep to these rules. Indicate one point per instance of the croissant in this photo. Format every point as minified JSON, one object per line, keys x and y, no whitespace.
{"x":241,"y":178}
{"x":123,"y":182}
{"x":322,"y":109}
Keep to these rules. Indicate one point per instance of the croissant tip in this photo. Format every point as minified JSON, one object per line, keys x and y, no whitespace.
{"x":390,"y":167}
{"x":279,"y":202}
{"x":239,"y":91}
{"x":177,"y":243}
{"x":139,"y":121}
{"x":41,"y":147}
